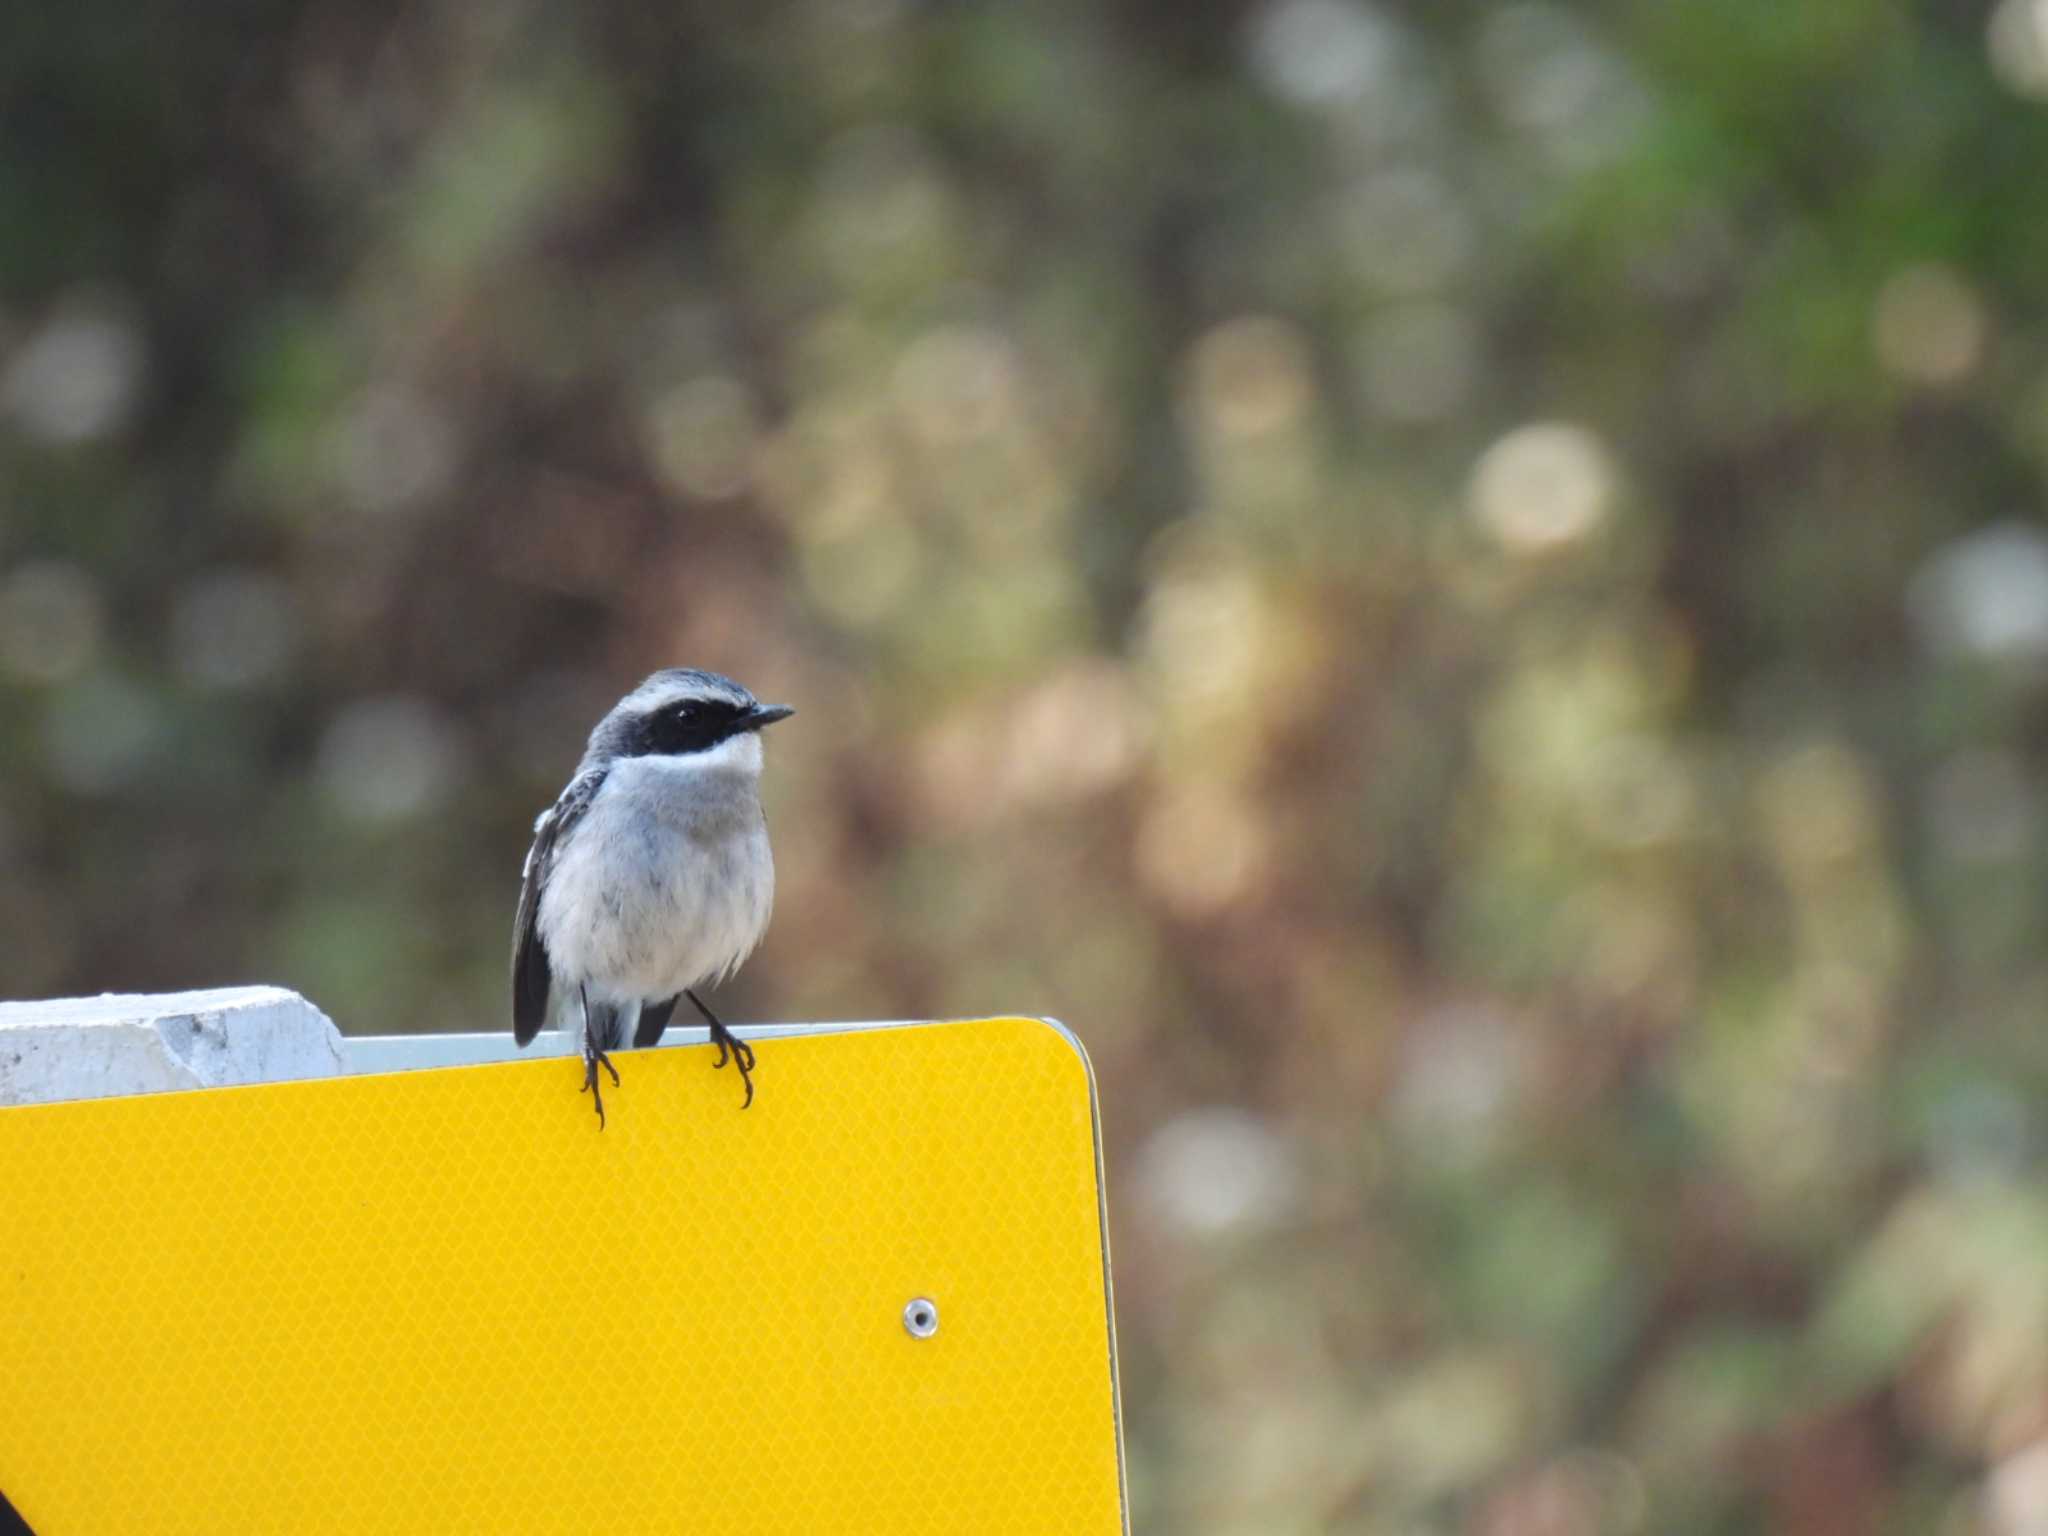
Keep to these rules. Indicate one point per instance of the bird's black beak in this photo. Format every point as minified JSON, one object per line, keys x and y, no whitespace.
{"x":767,"y":714}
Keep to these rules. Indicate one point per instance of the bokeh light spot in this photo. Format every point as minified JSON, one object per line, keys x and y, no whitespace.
{"x":51,"y":621}
{"x":1406,"y":232}
{"x":958,"y":383}
{"x":388,"y":758}
{"x":1543,"y":487}
{"x":79,"y":375}
{"x":1929,"y":326}
{"x":702,"y":436}
{"x":2016,"y":38}
{"x":395,"y":451}
{"x":233,"y":629}
{"x":1252,"y":376}
{"x":99,"y":734}
{"x":1985,"y":595}
{"x":1211,"y":1171}
{"x":1317,"y":52}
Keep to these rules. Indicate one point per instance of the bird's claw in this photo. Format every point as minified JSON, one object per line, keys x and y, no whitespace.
{"x":593,"y":1058}
{"x":729,"y":1045}
{"x":741,"y":1053}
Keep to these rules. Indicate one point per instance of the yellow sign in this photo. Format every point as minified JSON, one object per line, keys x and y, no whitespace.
{"x":440,"y":1301}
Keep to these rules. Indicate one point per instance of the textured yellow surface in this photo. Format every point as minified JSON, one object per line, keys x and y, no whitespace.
{"x":444,"y":1301}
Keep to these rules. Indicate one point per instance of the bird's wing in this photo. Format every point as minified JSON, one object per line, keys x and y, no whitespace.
{"x":653,"y":1020}
{"x":530,"y":970}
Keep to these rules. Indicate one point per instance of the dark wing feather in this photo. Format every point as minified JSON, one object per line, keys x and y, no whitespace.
{"x":653,"y":1020}
{"x":531,"y":973}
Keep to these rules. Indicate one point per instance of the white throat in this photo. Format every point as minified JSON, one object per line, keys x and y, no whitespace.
{"x":737,"y":754}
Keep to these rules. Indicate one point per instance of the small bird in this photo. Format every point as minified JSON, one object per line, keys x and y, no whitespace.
{"x":651,"y":874}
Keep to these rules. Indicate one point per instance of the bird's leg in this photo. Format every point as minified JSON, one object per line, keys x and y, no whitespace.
{"x":728,"y":1043}
{"x":593,"y":1057}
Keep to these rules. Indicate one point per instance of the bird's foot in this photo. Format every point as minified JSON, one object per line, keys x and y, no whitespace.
{"x":742,"y":1055}
{"x":593,"y":1058}
{"x":729,"y":1045}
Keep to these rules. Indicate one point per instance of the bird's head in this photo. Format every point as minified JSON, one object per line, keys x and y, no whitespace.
{"x":691,"y":715}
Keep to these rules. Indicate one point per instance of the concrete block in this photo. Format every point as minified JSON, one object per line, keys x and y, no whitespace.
{"x":100,"y":1047}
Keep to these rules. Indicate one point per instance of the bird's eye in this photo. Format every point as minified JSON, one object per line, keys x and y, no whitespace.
{"x":687,"y":712}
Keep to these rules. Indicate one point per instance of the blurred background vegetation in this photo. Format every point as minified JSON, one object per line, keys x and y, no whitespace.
{"x":1461,"y":587}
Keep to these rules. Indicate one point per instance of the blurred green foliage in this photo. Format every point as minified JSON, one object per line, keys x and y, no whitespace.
{"x":1462,"y":588}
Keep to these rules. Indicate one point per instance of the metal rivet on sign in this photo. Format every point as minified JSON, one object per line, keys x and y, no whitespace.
{"x":921,"y":1318}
